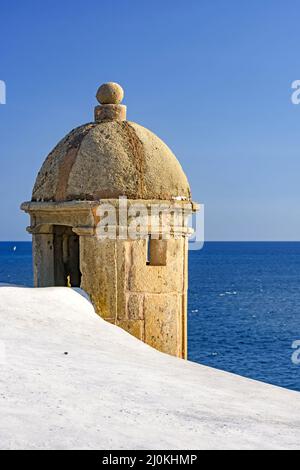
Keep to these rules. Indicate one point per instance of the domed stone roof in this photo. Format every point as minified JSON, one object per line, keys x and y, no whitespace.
{"x":110,"y":157}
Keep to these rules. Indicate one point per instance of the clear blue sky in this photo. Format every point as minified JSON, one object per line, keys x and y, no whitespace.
{"x":212,"y":78}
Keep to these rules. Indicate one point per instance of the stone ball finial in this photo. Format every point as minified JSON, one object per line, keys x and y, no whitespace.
{"x":110,"y":93}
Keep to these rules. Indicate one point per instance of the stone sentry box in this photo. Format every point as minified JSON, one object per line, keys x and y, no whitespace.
{"x":138,"y":284}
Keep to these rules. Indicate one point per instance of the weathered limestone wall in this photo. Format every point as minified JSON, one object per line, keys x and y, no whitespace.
{"x":147,"y":301}
{"x":43,"y":259}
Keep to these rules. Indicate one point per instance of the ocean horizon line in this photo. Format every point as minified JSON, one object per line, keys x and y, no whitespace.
{"x":205,"y":242}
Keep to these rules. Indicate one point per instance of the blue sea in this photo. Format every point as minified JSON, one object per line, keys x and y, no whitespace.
{"x":244,"y":305}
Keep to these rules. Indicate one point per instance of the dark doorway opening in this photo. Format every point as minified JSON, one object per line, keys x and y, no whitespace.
{"x":66,"y":257}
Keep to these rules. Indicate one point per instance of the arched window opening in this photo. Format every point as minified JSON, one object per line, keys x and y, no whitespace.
{"x":66,"y":257}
